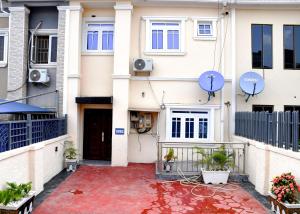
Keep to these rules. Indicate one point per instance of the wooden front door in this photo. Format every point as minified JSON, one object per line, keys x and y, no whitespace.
{"x":97,"y":134}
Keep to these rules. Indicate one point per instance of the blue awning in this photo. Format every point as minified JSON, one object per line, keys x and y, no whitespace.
{"x":17,"y":108}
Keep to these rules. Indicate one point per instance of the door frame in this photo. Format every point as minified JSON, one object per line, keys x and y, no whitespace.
{"x":84,"y":108}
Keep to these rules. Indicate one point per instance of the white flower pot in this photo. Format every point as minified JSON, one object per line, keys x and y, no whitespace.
{"x":17,"y":205}
{"x":71,"y":165}
{"x":215,"y":177}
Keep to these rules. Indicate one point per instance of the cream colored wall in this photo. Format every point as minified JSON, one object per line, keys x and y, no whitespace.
{"x":96,"y":70}
{"x":37,"y":163}
{"x":264,"y":162}
{"x":4,"y":23}
{"x":199,"y":55}
{"x":281,"y":85}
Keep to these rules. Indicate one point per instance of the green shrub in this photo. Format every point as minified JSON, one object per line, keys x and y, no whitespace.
{"x":219,"y":159}
{"x":14,"y":192}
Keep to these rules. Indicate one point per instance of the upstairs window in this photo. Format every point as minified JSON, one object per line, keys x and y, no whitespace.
{"x":205,"y":29}
{"x":291,"y":41}
{"x":44,"y":49}
{"x":165,"y":36}
{"x":3,"y":48}
{"x":99,"y":37}
{"x":262,"y":46}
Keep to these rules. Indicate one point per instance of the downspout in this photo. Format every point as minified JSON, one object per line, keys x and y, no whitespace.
{"x":66,"y":62}
{"x":222,"y":52}
{"x":233,"y":71}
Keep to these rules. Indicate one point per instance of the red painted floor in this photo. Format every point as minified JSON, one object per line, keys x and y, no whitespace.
{"x":134,"y":190}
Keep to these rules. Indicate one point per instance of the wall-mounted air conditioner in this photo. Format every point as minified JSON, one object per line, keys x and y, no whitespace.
{"x":142,"y":65}
{"x":38,"y":76}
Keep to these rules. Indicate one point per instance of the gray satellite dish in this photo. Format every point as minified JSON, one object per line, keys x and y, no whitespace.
{"x":251,"y":84}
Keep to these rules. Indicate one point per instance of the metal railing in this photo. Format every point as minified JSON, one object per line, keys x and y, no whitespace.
{"x":279,"y":129}
{"x":16,"y":134}
{"x":190,"y":162}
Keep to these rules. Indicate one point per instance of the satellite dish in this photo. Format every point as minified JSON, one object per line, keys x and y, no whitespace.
{"x":251,"y":83}
{"x":211,"y":81}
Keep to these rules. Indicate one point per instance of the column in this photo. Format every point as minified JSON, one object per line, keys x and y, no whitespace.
{"x":18,"y":51}
{"x":121,"y":77}
{"x":72,"y":69}
{"x":60,"y":57}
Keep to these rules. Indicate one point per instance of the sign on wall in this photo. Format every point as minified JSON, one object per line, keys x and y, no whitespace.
{"x":119,"y":131}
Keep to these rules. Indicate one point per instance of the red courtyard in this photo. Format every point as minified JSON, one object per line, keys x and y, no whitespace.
{"x":134,"y":190}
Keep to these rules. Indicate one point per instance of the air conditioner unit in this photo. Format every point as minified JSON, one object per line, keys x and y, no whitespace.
{"x":142,"y":64}
{"x":38,"y":76}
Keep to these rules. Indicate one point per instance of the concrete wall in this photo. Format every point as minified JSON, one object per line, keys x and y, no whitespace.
{"x":37,"y":163}
{"x":4,"y":23}
{"x":264,"y":162}
{"x":281,"y":85}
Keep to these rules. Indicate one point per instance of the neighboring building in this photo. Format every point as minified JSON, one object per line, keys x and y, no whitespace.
{"x":33,"y":61}
{"x":118,"y":115}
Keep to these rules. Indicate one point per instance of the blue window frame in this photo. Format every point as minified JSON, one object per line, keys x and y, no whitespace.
{"x":100,"y":37}
{"x":203,"y":128}
{"x":165,"y":36}
{"x":205,"y":29}
{"x":176,"y":127}
{"x":92,"y":40}
{"x":189,"y":128}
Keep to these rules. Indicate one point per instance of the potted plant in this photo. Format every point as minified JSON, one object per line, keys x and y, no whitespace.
{"x":15,"y":199}
{"x":284,"y":195}
{"x":70,"y":156}
{"x":169,"y":160}
{"x":217,"y":162}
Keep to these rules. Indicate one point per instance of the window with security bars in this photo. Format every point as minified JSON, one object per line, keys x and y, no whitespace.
{"x":44,"y":49}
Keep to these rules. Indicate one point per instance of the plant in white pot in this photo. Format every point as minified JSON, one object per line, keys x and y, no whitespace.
{"x":16,"y":198}
{"x":71,"y":154}
{"x":217,"y":162}
{"x":169,"y":160}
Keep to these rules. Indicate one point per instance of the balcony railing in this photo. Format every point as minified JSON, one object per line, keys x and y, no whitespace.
{"x":16,"y":134}
{"x":190,"y":162}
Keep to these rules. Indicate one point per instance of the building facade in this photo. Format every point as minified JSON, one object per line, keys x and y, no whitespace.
{"x":33,"y":52}
{"x":118,"y":113}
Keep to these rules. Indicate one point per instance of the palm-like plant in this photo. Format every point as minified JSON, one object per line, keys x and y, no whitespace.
{"x":219,"y":159}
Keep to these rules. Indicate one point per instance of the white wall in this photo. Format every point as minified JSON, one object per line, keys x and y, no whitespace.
{"x":37,"y":163}
{"x":264,"y":162}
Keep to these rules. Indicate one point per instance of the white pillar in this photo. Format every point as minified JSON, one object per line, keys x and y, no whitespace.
{"x":72,"y":69}
{"x":121,"y":77}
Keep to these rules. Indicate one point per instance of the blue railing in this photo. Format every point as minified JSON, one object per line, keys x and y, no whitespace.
{"x":16,"y":134}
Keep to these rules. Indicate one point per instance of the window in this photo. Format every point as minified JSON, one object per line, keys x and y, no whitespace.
{"x":291,"y":40}
{"x":44,"y":49}
{"x":205,"y":28}
{"x":262,"y":46}
{"x":165,"y":35}
{"x":3,"y":47}
{"x":99,"y":37}
{"x":189,"y":125}
{"x":268,"y":108}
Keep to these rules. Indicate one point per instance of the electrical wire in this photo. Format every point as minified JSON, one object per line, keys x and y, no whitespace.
{"x":217,"y":33}
{"x":195,"y":184}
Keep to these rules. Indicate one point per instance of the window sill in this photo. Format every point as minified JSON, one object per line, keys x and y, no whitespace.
{"x":189,"y":141}
{"x":3,"y":64}
{"x":43,"y":65}
{"x":202,"y":38}
{"x":97,"y":54}
{"x":152,"y":53}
